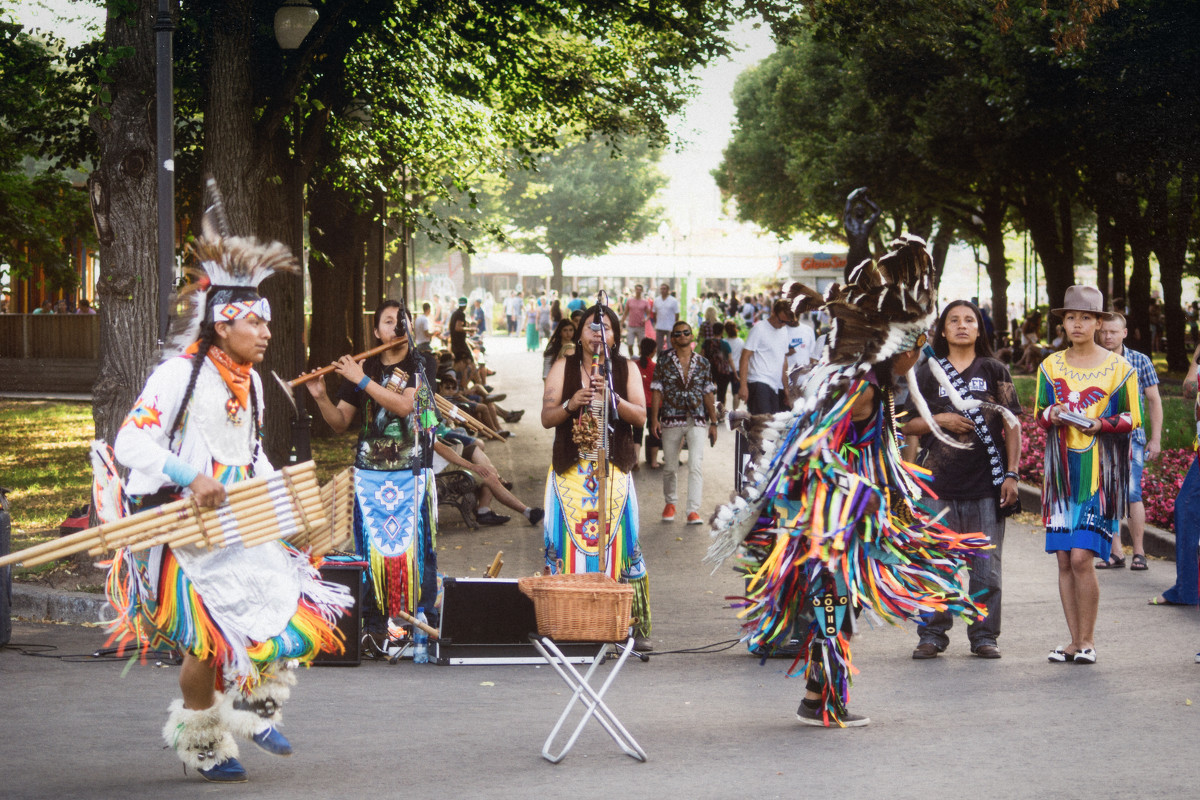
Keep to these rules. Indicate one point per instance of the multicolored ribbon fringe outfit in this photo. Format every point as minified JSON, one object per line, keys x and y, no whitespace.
{"x":829,"y":521}
{"x":248,"y":614}
{"x":1085,"y":492}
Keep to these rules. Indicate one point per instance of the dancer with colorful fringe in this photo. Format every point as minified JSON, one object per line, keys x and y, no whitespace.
{"x":573,"y":405}
{"x":827,"y":524}
{"x":1088,"y":403}
{"x":242,"y":617}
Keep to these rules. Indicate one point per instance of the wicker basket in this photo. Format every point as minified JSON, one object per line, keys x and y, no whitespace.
{"x":588,"y":607}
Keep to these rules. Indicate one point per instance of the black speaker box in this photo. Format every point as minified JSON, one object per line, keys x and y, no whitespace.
{"x":488,"y":621}
{"x":350,"y":624}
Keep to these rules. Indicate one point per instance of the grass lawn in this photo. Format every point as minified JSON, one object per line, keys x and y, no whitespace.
{"x":44,"y":463}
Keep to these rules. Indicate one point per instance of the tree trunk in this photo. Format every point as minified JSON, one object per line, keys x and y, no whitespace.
{"x":124,"y":203}
{"x":556,"y":277}
{"x":941,"y":248}
{"x":262,"y":191}
{"x":1104,"y":237}
{"x":1172,"y":228}
{"x":1138,"y":297}
{"x":1047,"y":216}
{"x":337,"y":241}
{"x":992,"y":215}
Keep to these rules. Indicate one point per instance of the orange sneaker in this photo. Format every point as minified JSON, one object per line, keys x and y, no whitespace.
{"x":668,"y":512}
{"x":694,"y":518}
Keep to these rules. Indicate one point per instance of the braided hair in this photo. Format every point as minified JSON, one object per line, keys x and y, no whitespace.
{"x":208,"y":335}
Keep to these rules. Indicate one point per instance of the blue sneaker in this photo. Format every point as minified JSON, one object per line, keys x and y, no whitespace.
{"x":273,"y":742}
{"x":228,"y":771}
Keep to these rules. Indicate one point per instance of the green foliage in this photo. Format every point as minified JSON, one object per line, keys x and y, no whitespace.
{"x":39,"y":207}
{"x":583,"y":199}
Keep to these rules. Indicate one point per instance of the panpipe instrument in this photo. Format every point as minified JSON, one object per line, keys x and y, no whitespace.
{"x":337,"y":499}
{"x":281,"y":506}
{"x":451,"y":411}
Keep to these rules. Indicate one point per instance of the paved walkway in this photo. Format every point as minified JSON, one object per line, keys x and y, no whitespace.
{"x":716,"y":725}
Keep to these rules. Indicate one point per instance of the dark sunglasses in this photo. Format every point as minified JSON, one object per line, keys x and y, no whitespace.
{"x":681,"y":333}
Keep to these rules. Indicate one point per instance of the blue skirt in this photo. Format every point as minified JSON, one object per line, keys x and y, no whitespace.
{"x":1086,"y":530}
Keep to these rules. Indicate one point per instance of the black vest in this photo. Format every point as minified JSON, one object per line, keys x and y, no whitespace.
{"x":621,"y":453}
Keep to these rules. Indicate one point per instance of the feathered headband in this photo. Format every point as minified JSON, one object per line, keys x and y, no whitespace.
{"x":223,"y":284}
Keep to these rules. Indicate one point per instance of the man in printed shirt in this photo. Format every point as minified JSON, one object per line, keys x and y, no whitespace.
{"x":682,"y":404}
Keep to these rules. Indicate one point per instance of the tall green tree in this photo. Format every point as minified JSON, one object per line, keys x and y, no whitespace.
{"x":266,"y":123}
{"x":583,"y":199}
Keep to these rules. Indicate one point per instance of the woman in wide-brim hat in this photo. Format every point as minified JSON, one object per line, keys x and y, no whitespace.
{"x":1088,"y":403}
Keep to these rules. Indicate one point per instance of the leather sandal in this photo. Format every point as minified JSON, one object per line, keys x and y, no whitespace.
{"x":1139,"y":563}
{"x":1113,"y":563}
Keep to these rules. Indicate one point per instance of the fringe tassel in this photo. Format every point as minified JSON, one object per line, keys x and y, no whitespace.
{"x":641,"y":605}
{"x":832,"y":670}
{"x":180,"y":619}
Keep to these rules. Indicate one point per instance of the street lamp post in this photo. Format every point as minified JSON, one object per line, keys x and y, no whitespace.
{"x":164,"y":120}
{"x":293,"y":21}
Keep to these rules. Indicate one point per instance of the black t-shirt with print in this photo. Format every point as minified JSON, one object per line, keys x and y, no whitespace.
{"x":967,"y":474}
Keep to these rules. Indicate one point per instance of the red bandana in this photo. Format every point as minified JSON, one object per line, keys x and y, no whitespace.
{"x":236,"y":376}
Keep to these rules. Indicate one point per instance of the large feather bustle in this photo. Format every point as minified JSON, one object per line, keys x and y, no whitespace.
{"x":804,"y":298}
{"x":885,"y":303}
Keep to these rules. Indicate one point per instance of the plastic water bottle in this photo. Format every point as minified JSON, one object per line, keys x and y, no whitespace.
{"x":420,"y":639}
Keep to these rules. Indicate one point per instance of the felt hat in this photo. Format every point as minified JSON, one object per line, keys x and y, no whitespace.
{"x":1083,"y":298}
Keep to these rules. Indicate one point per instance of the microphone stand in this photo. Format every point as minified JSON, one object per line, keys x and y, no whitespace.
{"x":609,"y":407}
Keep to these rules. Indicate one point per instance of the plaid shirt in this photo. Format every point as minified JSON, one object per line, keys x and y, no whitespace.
{"x":1147,"y":376}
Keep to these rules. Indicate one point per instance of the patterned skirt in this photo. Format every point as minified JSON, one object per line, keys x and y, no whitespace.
{"x":572,"y":535}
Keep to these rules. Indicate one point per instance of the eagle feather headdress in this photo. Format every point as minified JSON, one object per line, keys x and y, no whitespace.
{"x":223,"y":283}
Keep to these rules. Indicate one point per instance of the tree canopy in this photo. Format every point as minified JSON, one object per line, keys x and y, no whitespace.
{"x":457,"y":92}
{"x":963,"y":125}
{"x":581,"y":200}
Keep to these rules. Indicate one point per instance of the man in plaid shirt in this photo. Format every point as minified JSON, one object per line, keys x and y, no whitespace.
{"x":1112,"y":337}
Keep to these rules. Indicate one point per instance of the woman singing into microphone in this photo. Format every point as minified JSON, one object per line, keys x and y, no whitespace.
{"x":573,"y":405}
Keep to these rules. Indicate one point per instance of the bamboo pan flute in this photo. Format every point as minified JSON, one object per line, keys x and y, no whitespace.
{"x":449,"y":409}
{"x":254,"y":512}
{"x":337,"y":499}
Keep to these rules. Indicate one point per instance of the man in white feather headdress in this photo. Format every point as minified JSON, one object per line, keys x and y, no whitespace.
{"x":827,"y":524}
{"x":240,"y":616}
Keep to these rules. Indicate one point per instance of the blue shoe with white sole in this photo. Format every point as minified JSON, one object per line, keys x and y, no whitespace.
{"x":273,"y":742}
{"x":228,"y":771}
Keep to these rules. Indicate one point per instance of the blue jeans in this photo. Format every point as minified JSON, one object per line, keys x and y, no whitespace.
{"x":1137,"y":460}
{"x":972,"y":515}
{"x":1187,"y":535}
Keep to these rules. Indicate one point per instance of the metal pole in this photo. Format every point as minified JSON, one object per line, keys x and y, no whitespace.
{"x":301,"y":430}
{"x":164,"y":49}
